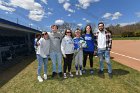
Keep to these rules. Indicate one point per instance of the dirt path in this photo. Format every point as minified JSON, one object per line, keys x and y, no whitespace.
{"x":127,"y":52}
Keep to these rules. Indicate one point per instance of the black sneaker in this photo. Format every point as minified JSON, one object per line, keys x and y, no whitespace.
{"x":91,"y":71}
{"x":60,"y":74}
{"x":100,"y":72}
{"x":84,"y":71}
{"x":110,"y":75}
{"x":54,"y":74}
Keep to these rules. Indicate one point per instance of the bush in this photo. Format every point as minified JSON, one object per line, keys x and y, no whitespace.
{"x":137,"y":34}
{"x":128,"y":34}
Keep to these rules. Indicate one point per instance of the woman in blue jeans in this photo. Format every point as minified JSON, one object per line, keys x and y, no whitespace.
{"x":42,"y":52}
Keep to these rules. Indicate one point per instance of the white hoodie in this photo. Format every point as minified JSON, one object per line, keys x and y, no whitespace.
{"x":67,"y":45}
{"x":44,"y":47}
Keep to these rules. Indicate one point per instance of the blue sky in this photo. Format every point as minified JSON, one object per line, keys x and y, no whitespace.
{"x":43,"y":13}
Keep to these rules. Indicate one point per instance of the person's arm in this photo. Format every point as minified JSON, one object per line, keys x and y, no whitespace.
{"x":95,"y":44}
{"x":110,"y":41}
{"x":40,"y":43}
{"x":95,"y":41}
{"x":63,"y":45}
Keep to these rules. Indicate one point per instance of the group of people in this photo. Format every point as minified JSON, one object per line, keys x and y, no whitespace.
{"x":77,"y":48}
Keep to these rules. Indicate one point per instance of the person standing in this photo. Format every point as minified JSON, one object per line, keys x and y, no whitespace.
{"x":42,"y":55}
{"x":89,"y":50}
{"x":37,"y":38}
{"x":67,"y":48}
{"x":78,"y":47}
{"x":103,"y":42}
{"x":55,"y":50}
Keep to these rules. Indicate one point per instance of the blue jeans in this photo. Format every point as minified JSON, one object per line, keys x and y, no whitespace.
{"x":104,"y":54}
{"x":56,"y":57}
{"x":40,"y":63}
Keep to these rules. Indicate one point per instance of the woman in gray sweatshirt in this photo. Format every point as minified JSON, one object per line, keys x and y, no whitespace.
{"x":67,"y":48}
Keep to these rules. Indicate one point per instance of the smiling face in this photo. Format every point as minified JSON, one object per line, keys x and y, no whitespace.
{"x":45,"y":35}
{"x":78,"y":33}
{"x":54,"y":28}
{"x":68,"y":32}
{"x":101,"y":27}
{"x":88,"y":29}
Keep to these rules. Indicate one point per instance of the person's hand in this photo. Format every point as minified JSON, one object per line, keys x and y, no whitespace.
{"x":64,"y":56}
{"x":95,"y":53}
{"x":38,"y":43}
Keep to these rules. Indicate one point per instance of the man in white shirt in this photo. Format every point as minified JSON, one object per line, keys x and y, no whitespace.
{"x":103,"y":43}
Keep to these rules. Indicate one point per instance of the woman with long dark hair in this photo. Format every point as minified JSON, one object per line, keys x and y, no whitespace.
{"x":89,"y":50}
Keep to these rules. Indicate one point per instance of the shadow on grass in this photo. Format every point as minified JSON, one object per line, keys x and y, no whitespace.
{"x":116,"y":72}
{"x":9,"y":71}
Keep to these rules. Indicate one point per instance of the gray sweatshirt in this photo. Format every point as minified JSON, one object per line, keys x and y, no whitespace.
{"x":55,"y":41}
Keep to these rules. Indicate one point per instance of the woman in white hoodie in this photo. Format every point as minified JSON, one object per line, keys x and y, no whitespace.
{"x":67,"y":48}
{"x":42,"y":55}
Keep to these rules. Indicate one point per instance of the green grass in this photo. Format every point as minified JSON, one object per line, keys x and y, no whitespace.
{"x":126,"y":38}
{"x":16,"y":80}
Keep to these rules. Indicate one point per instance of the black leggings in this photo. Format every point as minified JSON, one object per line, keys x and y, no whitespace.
{"x":90,"y":58}
{"x":68,"y":62}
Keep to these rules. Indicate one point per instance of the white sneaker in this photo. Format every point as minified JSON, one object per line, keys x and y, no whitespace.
{"x":80,"y":72}
{"x":45,"y":76}
{"x":65,"y":75}
{"x":40,"y":79}
{"x":76,"y":72}
{"x":71,"y":75}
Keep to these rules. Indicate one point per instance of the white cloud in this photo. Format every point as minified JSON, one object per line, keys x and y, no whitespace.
{"x":6,"y":6}
{"x":84,"y":19}
{"x":36,"y":11}
{"x":80,"y":24}
{"x":44,"y":1}
{"x":138,"y":14}
{"x":36,"y":15}
{"x":69,"y":15}
{"x":107,"y":15}
{"x":86,"y":3}
{"x":59,"y":22}
{"x":61,"y":1}
{"x":114,"y":16}
{"x":49,"y":13}
{"x":87,"y":21}
{"x":67,"y":7}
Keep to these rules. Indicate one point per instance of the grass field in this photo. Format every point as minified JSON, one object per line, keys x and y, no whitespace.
{"x":126,"y":38}
{"x":22,"y":79}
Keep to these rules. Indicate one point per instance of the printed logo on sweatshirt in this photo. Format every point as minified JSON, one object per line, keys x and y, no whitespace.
{"x":57,"y":38}
{"x":69,"y":41}
{"x":88,"y":38}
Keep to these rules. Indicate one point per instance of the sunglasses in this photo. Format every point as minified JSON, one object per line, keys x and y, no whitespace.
{"x":45,"y":34}
{"x":68,"y":32}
